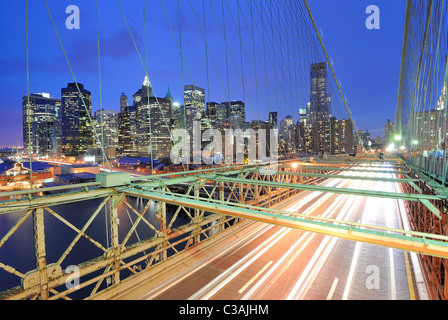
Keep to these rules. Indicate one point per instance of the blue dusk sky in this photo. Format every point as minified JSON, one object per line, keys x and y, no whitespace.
{"x":367,"y":62}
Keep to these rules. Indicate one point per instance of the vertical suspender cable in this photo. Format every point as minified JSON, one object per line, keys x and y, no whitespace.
{"x":225,"y":46}
{"x":403,"y":56}
{"x":28,"y":107}
{"x":75,"y":81}
{"x":147,"y":88}
{"x":100,"y":86}
{"x":182,"y":63}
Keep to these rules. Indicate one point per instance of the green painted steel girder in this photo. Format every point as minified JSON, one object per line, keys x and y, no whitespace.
{"x":393,"y":238}
{"x":306,"y":216}
{"x":49,"y":189}
{"x":225,"y":169}
{"x":16,"y":205}
{"x":311,"y":167}
{"x":338,"y":176}
{"x":355,"y":192}
{"x":438,"y":187}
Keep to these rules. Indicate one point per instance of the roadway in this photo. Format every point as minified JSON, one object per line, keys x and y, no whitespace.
{"x":265,"y":262}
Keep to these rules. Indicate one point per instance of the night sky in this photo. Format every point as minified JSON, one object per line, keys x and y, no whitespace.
{"x":367,"y":62}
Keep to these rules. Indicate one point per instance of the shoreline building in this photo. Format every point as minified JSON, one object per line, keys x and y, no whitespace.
{"x":16,"y":175}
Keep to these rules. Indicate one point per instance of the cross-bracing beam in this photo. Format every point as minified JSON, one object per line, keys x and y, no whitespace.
{"x":428,"y":244}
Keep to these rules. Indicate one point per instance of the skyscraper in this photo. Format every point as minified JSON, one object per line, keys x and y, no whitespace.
{"x":287,"y":135}
{"x":341,"y":138}
{"x":304,"y":130}
{"x":40,"y":122}
{"x":222,"y":114}
{"x":124,"y":101}
{"x":178,"y":116}
{"x":388,"y":131}
{"x":127,"y":136}
{"x":107,"y":130}
{"x":237,"y":113}
{"x":319,"y":98}
{"x":194,"y":104}
{"x":76,"y":111}
{"x":194,"y":100}
{"x":153,"y":123}
{"x":211,"y":113}
{"x":169,"y":96}
{"x":273,"y":119}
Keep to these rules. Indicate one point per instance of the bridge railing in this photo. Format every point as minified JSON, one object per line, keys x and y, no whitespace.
{"x":422,"y":220}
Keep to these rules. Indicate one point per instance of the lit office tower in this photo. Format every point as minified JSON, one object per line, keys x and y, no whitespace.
{"x":40,"y":122}
{"x":208,"y":119}
{"x":153,"y":122}
{"x":194,"y":103}
{"x":127,"y":137}
{"x":177,"y":116}
{"x":109,"y":130}
{"x":124,"y":101}
{"x":237,"y":113}
{"x":287,"y":135}
{"x":320,"y":100}
{"x":273,"y":119}
{"x":169,"y":97}
{"x":211,"y":113}
{"x":222,"y":115}
{"x":77,"y":135}
{"x":388,"y":131}
{"x":342,"y":139}
{"x":304,"y":130}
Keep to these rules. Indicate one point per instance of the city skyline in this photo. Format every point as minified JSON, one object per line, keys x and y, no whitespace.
{"x":159,"y":102}
{"x":63,"y":127}
{"x":369,"y":53}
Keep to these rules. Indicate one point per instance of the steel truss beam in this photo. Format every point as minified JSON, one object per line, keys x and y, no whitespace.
{"x":357,"y":169}
{"x":356,"y":192}
{"x":338,"y":176}
{"x":16,"y":205}
{"x":427,"y":244}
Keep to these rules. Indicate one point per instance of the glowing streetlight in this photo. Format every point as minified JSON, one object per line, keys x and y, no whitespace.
{"x":295,"y":165}
{"x":397,"y":138}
